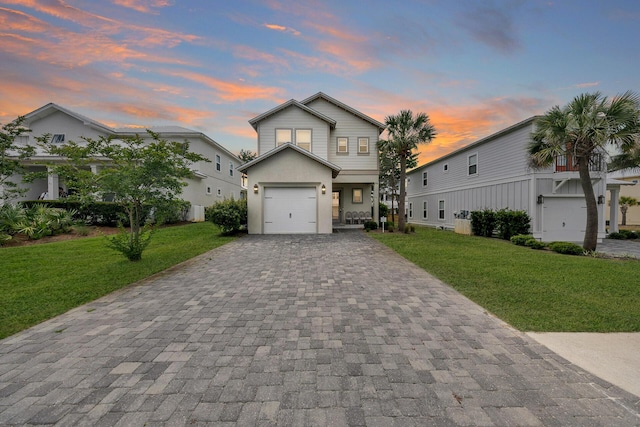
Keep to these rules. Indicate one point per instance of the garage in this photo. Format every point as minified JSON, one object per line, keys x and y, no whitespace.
{"x":564,"y":219}
{"x":290,"y":210}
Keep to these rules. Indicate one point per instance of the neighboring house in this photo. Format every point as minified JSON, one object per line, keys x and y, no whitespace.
{"x":317,"y":165}
{"x":627,"y":181}
{"x":211,"y":182}
{"x":494,"y":173}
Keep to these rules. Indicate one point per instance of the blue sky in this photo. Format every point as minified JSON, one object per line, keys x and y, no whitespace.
{"x":474,"y":67}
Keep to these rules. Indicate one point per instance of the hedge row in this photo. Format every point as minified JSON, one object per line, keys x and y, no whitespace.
{"x":110,"y":214}
{"x":504,"y":222}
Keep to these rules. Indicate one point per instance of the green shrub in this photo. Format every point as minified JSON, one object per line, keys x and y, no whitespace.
{"x":94,"y":213}
{"x":535,"y":244}
{"x":628,"y":234}
{"x":131,"y":245}
{"x":483,"y":222}
{"x":567,"y":248}
{"x":383,"y":209}
{"x":617,"y":236}
{"x":521,"y":239}
{"x":370,"y":225}
{"x":509,"y":223}
{"x":504,"y":222}
{"x":230,"y":215}
{"x":172,"y":212}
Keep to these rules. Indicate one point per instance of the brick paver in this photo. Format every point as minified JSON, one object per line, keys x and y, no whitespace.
{"x":294,"y":330}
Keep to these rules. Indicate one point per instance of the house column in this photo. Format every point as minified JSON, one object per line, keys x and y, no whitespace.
{"x":614,"y":208}
{"x":53,"y":183}
{"x":375,"y":201}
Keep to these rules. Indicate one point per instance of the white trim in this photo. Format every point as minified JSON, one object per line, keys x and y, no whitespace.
{"x":368,"y":142}
{"x":469,"y":156}
{"x":443,"y":210}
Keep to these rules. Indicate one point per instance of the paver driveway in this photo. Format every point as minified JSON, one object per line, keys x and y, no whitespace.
{"x":285,"y":330}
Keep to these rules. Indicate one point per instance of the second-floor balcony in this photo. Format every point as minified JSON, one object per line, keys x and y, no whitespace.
{"x":568,"y":163}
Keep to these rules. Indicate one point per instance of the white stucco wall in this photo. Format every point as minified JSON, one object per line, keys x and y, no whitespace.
{"x":288,"y":168}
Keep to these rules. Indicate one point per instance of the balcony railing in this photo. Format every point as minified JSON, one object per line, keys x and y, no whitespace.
{"x":568,"y":163}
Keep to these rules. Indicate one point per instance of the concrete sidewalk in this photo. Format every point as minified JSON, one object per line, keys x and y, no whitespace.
{"x":612,"y":357}
{"x":295,"y":330}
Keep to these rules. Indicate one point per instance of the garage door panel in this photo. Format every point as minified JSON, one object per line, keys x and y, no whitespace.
{"x":290,"y":210}
{"x":564,"y":219}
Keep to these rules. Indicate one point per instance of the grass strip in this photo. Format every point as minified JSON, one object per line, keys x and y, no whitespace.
{"x":532,"y":290}
{"x":38,"y":282}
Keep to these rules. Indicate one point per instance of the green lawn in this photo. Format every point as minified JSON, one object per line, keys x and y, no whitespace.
{"x":38,"y":282}
{"x":531,"y":290}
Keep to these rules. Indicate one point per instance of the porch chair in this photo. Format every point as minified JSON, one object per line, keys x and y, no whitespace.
{"x":348,"y":218}
{"x":363,"y":217}
{"x":356,"y":217}
{"x":367,"y":216}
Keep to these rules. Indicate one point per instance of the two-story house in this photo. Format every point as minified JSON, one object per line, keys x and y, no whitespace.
{"x":317,"y":165}
{"x":494,"y":173}
{"x":211,"y":181}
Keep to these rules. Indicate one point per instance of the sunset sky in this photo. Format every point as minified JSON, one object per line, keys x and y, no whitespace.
{"x":475,"y":67}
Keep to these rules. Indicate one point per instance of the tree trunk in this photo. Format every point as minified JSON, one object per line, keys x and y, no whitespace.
{"x":591,"y":231}
{"x":623,"y":209}
{"x":401,"y":201}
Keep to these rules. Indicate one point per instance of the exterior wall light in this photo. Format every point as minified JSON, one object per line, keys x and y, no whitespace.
{"x":601,"y":200}
{"x":540,"y":199}
{"x":255,"y":188}
{"x":323,"y":189}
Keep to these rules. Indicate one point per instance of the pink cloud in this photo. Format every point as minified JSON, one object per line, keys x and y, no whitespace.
{"x":230,"y":91}
{"x":588,"y":84}
{"x":283,"y":29}
{"x":144,"y":6}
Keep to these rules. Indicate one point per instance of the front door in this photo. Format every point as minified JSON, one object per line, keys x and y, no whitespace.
{"x":335,"y":207}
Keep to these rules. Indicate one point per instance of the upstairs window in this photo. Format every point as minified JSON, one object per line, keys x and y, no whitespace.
{"x":218,"y":163}
{"x":445,"y":167}
{"x":473,"y":164}
{"x":424,"y":178}
{"x":283,"y":136}
{"x":303,"y":138}
{"x":57,"y":138}
{"x":343,"y":145}
{"x":363,"y":145}
{"x":230,"y":168}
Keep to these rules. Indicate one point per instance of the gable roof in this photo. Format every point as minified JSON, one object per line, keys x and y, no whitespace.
{"x":320,"y":95}
{"x":291,"y":103}
{"x":164,"y":131}
{"x":335,"y":170}
{"x":51,"y":108}
{"x":475,"y":144}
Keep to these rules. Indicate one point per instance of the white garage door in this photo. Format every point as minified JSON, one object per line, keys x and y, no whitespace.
{"x":290,"y":210}
{"x":564,"y":219}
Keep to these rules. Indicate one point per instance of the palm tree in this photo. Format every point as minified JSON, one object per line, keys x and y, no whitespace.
{"x":625,"y":203}
{"x":405,"y":133}
{"x":582,"y":130}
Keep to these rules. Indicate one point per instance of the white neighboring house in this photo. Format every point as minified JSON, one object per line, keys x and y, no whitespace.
{"x":627,"y":182}
{"x":317,"y":166}
{"x":209,"y":183}
{"x":494,"y":173}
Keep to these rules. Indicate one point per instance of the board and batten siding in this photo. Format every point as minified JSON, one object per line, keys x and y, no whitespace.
{"x":352,"y":127}
{"x":503,"y":179}
{"x":293,"y":118}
